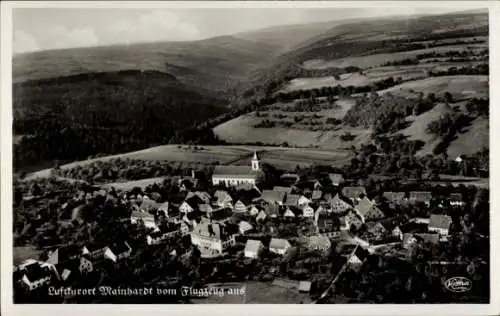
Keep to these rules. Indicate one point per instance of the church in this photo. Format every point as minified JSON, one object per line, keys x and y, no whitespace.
{"x":237,"y":175}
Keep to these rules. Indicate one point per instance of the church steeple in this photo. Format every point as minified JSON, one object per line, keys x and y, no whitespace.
{"x":255,"y":162}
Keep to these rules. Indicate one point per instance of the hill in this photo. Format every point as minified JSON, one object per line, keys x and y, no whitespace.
{"x":214,"y":64}
{"x":75,"y":116}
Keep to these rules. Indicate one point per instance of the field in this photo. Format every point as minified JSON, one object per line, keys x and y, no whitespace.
{"x":277,"y":156}
{"x":128,"y":185}
{"x":377,"y":60}
{"x":258,"y":293}
{"x":461,"y":87}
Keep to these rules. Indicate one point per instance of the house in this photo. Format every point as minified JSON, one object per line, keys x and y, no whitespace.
{"x":335,"y":178}
{"x":67,"y":271}
{"x":440,"y":224}
{"x":357,"y":258}
{"x":273,"y":210}
{"x":395,"y":198}
{"x":353,"y":220}
{"x":289,"y":213}
{"x":235,"y":175}
{"x":427,"y":238}
{"x":307,"y":211}
{"x":167,"y":231}
{"x":64,"y":254}
{"x":212,"y":238}
{"x":279,"y":246}
{"x":204,"y":196}
{"x":456,"y":199}
{"x":253,"y":211}
{"x":240,"y":207}
{"x":316,"y":195}
{"x":148,"y":219}
{"x":244,"y":227}
{"x":205,"y":208}
{"x":317,"y":185}
{"x":420,"y":197}
{"x":368,"y":211}
{"x":94,"y":251}
{"x":273,"y":197}
{"x":36,"y":274}
{"x":261,"y":216}
{"x":320,"y":243}
{"x":328,"y":225}
{"x":253,"y":248}
{"x":304,"y":201}
{"x":223,"y":199}
{"x":117,"y":251}
{"x":338,"y":205}
{"x":186,"y":207}
{"x":287,"y":190}
{"x":292,"y":199}
{"x":354,"y":193}
{"x":305,"y":286}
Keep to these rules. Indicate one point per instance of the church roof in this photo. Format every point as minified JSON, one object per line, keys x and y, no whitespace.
{"x":234,"y":171}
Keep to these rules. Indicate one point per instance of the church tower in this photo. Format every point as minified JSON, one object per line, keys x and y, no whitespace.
{"x":255,"y":162}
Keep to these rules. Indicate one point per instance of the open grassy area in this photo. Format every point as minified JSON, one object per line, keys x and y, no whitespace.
{"x":23,"y":253}
{"x":460,"y":87}
{"x":377,"y":60}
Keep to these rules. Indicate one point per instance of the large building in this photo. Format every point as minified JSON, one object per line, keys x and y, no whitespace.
{"x":212,"y":238}
{"x":237,"y":175}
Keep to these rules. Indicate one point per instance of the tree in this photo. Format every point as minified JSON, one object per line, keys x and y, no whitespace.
{"x":448,"y":97}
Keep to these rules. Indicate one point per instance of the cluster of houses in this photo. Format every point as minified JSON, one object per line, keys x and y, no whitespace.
{"x":65,"y":263}
{"x":213,"y":221}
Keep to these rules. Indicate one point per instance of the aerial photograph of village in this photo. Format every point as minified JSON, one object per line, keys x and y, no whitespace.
{"x":250,"y":156}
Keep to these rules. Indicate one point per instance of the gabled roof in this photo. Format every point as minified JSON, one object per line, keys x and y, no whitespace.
{"x":321,"y":242}
{"x":353,"y":192}
{"x":119,"y":247}
{"x":205,"y":208}
{"x":244,"y":226}
{"x":278,"y":243}
{"x":36,"y":271}
{"x":221,"y":196}
{"x":253,"y":245}
{"x":305,"y":286}
{"x":440,"y":221}
{"x":273,"y":196}
{"x":213,"y":230}
{"x":420,"y":196}
{"x":289,"y":213}
{"x":335,"y":177}
{"x":364,"y":206}
{"x":273,"y":209}
{"x":63,"y":254}
{"x":204,"y":196}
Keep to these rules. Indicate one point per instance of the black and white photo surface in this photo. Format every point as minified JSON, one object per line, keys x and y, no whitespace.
{"x":240,"y":155}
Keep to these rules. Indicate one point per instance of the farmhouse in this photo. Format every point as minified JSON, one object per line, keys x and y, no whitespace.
{"x":253,"y":248}
{"x":223,"y":199}
{"x":338,"y":205}
{"x":236,"y":175}
{"x":367,"y":210}
{"x":279,"y":246}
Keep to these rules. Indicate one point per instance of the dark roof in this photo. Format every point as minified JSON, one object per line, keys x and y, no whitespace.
{"x":221,"y":214}
{"x":361,"y":253}
{"x":119,"y":247}
{"x":413,"y":227}
{"x":36,"y":271}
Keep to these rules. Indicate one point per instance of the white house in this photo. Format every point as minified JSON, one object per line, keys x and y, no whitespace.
{"x":253,"y":248}
{"x":118,"y":251}
{"x":308,"y":211}
{"x":440,"y":224}
{"x":244,"y":227}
